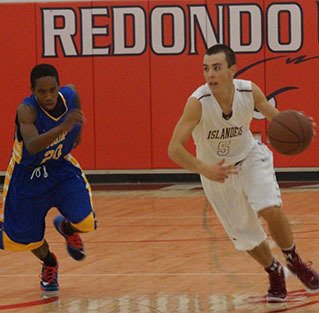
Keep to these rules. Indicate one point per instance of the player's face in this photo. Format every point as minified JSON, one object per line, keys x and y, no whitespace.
{"x":216,"y":71}
{"x":46,"y":92}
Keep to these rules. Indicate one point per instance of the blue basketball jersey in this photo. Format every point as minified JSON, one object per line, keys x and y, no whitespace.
{"x":63,"y":144}
{"x":34,"y":175}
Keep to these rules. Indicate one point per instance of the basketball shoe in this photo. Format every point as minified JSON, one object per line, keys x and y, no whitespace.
{"x":74,"y":242}
{"x":308,"y":276}
{"x":49,"y":277}
{"x":277,"y":291}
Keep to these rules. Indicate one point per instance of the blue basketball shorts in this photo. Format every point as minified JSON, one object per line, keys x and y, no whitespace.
{"x":28,"y":201}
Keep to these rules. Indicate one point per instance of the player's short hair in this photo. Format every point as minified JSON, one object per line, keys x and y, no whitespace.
{"x":42,"y":70}
{"x":230,"y":54}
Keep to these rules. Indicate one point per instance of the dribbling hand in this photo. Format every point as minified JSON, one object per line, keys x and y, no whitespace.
{"x":314,"y":126}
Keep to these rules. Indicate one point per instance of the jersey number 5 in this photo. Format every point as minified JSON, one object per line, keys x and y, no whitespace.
{"x":223,"y":148}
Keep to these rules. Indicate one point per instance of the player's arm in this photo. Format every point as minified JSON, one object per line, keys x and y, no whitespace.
{"x":182,"y":133}
{"x":180,"y":155}
{"x":35,"y":142}
{"x":262,"y":104}
{"x":78,"y":139}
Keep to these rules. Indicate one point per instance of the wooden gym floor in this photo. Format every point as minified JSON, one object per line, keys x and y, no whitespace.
{"x":160,"y":248}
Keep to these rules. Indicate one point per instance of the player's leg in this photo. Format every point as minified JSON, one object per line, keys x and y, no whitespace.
{"x":23,"y":229}
{"x":280,"y":231}
{"x":261,"y":190}
{"x":73,"y":199}
{"x":49,"y":273}
{"x":243,"y":228}
{"x":278,"y":226}
{"x":264,"y":197}
{"x":277,"y":291}
{"x":71,"y":232}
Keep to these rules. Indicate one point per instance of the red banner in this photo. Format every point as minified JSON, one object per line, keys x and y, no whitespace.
{"x":136,"y":63}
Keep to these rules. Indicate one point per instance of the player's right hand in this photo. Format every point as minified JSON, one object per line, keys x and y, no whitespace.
{"x":74,"y":117}
{"x":314,"y":126}
{"x":219,"y":172}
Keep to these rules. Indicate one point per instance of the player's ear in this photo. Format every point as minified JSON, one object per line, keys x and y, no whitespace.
{"x":234,"y":69}
{"x":31,"y":89}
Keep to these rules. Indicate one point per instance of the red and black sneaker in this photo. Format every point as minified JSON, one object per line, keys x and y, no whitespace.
{"x":308,"y":276}
{"x":49,"y":277}
{"x":277,"y":291}
{"x":74,"y":242}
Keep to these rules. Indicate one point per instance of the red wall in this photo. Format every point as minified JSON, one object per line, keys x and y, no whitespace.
{"x":132,"y":95}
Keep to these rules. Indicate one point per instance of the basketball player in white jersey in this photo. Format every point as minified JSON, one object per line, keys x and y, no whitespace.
{"x":236,"y":170}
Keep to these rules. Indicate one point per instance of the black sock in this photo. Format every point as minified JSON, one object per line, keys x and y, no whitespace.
{"x":274,"y":266}
{"x":68,"y":229}
{"x":290,"y":254}
{"x":50,"y":260}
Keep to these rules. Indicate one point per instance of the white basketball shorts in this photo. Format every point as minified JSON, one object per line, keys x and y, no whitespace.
{"x":238,"y":200}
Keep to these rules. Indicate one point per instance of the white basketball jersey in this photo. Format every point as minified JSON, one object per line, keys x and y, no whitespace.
{"x":219,"y":138}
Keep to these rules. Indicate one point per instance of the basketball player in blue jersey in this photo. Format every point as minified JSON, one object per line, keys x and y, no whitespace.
{"x":43,"y":174}
{"x":236,"y":170}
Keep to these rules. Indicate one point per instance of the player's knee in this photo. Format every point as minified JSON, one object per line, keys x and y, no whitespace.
{"x":270,"y":213}
{"x":87,"y":225}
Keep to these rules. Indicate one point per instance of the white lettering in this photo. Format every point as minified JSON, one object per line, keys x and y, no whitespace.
{"x":166,"y":32}
{"x":254,"y":29}
{"x":120,"y":31}
{"x":199,"y":15}
{"x":89,"y":32}
{"x":65,"y":34}
{"x":158,"y":30}
{"x":295,"y":27}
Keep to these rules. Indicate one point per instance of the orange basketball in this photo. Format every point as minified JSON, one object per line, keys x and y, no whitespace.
{"x":290,"y":132}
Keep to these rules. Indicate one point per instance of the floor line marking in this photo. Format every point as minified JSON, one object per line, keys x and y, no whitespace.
{"x":137,"y":274}
{"x":28,"y":304}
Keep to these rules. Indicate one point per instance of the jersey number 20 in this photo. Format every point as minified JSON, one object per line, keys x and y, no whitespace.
{"x":53,"y":154}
